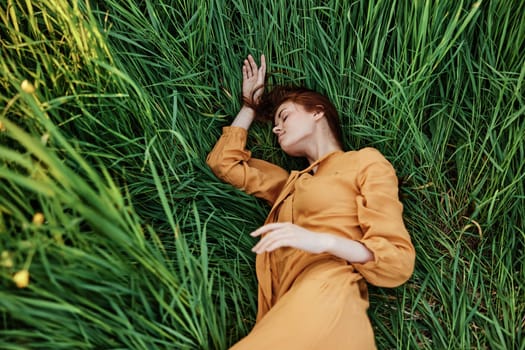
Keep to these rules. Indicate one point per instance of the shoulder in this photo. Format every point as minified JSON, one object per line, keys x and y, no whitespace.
{"x":364,"y":157}
{"x":368,"y":163}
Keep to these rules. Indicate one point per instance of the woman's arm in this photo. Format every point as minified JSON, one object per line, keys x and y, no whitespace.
{"x":229,"y":159}
{"x":285,"y":234}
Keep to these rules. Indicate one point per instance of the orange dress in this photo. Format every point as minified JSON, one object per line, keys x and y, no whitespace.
{"x":319,"y":301}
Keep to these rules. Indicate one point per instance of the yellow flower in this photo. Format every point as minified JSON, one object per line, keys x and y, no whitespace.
{"x":27,"y":87}
{"x":44,"y":138}
{"x":21,"y":278}
{"x":5,"y":259}
{"x":38,"y":219}
{"x":2,"y":126}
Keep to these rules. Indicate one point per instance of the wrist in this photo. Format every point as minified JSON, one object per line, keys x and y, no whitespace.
{"x":348,"y":249}
{"x":244,"y":118}
{"x":247,"y":108}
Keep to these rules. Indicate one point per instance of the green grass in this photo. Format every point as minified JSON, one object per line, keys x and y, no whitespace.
{"x":143,"y":248}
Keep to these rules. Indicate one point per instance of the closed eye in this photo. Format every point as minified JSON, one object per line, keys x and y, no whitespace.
{"x":283,"y":119}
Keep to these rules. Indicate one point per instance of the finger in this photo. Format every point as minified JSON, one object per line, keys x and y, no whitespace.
{"x":274,"y":235}
{"x":253,"y":65}
{"x":260,"y":231}
{"x":273,"y":241}
{"x":266,"y":228}
{"x":262,"y":69}
{"x":269,"y":241}
{"x":244,"y":72}
{"x":270,"y":247}
{"x":260,"y":76}
{"x":248,"y":68}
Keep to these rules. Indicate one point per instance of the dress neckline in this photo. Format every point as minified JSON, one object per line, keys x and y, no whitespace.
{"x":313,"y":168}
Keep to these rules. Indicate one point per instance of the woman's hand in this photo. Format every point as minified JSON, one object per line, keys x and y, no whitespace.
{"x":284,"y":234}
{"x":252,"y":89}
{"x":253,"y":80}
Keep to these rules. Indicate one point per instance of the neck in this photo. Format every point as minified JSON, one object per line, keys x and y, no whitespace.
{"x":322,"y":149}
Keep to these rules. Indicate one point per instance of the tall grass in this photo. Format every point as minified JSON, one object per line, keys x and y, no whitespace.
{"x":142,"y":247}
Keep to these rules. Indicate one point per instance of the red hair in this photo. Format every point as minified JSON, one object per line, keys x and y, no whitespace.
{"x":310,"y":100}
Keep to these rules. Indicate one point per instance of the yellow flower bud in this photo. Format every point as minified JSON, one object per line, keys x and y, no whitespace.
{"x":5,"y":259}
{"x":2,"y":126}
{"x":21,"y":278}
{"x":38,"y":219}
{"x":44,"y":138}
{"x":27,"y":87}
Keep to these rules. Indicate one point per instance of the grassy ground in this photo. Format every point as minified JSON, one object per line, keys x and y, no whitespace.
{"x":108,"y":109}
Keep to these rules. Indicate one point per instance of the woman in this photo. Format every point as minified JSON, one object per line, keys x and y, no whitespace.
{"x":332,"y":227}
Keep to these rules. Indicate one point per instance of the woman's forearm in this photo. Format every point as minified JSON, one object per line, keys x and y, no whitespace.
{"x":348,"y":249}
{"x":244,"y":118}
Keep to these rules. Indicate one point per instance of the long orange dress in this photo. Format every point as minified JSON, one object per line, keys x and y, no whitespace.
{"x":319,"y":301}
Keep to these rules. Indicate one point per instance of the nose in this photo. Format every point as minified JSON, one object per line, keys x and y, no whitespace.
{"x":277,"y":129}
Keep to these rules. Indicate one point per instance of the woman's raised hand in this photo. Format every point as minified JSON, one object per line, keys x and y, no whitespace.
{"x":253,"y":80}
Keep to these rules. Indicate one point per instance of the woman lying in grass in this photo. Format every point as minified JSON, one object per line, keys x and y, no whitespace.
{"x":333,"y":226}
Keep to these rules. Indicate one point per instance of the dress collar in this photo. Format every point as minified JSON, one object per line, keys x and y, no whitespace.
{"x":315,"y":165}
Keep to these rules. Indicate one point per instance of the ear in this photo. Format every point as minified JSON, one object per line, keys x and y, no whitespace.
{"x":319,"y":113}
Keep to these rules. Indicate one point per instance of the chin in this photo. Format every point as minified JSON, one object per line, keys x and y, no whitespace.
{"x":291,"y":151}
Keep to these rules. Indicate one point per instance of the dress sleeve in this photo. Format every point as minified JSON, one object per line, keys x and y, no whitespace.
{"x":232,"y":163}
{"x":380,"y":215}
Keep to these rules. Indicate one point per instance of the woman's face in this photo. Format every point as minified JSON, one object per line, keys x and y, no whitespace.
{"x":293,"y":127}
